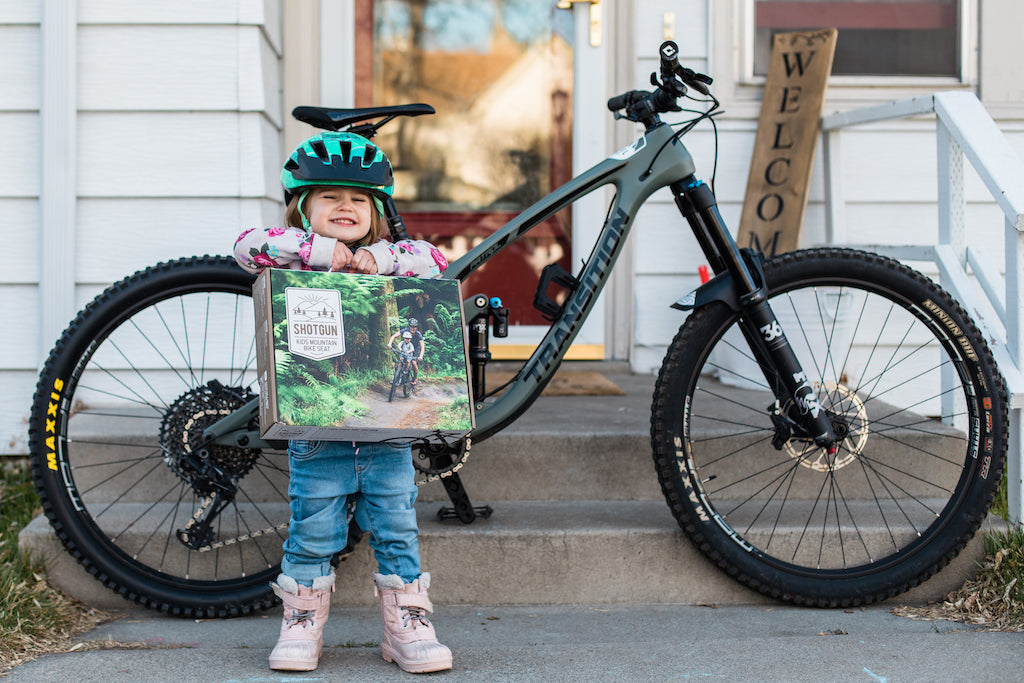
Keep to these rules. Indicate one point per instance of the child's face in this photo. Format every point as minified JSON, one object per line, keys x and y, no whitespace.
{"x":340,"y":212}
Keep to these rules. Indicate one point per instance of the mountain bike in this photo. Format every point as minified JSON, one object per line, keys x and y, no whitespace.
{"x":403,"y":375}
{"x":828,"y":426}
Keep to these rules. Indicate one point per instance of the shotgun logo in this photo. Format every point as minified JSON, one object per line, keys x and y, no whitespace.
{"x":315,"y":327}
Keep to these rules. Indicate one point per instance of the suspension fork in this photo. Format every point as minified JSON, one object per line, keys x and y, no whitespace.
{"x":760,"y":327}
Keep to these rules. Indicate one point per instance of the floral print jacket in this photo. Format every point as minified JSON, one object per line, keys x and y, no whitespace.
{"x":299,"y":249}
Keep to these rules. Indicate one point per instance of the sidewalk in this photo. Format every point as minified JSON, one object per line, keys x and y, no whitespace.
{"x":564,"y":643}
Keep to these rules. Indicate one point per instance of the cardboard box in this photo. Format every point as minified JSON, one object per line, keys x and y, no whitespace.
{"x":324,"y":366}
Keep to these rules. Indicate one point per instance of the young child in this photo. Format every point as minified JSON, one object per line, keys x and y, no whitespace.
{"x":334,"y":184}
{"x":416,"y":337}
{"x":406,"y":348}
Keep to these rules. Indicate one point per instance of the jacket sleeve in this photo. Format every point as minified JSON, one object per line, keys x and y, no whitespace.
{"x":292,"y":248}
{"x":408,"y":258}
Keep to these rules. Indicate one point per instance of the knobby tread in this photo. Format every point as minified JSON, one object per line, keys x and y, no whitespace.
{"x":52,"y":499}
{"x":844,"y":593}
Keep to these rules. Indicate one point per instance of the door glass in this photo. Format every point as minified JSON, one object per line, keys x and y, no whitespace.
{"x":500,"y":75}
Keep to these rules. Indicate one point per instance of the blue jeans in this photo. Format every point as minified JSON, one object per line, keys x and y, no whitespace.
{"x":379,"y":478}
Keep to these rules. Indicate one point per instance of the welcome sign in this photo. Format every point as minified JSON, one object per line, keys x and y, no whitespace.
{"x":787,"y":134}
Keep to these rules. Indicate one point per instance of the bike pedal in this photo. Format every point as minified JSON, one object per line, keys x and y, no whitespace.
{"x":484,"y":511}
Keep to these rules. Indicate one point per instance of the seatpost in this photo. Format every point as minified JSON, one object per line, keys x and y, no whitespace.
{"x":396,"y":226}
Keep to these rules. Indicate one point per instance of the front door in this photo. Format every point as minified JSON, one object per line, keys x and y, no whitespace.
{"x":519,"y":89}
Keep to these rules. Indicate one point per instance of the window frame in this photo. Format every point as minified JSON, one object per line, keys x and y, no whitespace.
{"x":968,"y":63}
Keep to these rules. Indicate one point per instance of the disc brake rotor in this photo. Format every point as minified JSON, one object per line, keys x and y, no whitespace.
{"x":849,"y":420}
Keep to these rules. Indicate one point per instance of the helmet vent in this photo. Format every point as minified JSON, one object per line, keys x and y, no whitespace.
{"x":291,"y":165}
{"x":369,"y":154}
{"x":320,"y":149}
{"x":346,"y":150}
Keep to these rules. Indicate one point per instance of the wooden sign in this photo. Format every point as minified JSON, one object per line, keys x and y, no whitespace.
{"x":787,"y":135}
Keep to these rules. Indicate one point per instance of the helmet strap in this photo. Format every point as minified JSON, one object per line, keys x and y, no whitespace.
{"x":302,"y":215}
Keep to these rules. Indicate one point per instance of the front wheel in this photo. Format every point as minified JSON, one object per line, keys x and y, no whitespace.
{"x":913,"y":393}
{"x":396,"y":379}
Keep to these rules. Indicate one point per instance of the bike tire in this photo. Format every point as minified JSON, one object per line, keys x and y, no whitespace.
{"x":117,"y":416}
{"x":920,"y":458}
{"x":406,"y":385}
{"x":395,"y":380}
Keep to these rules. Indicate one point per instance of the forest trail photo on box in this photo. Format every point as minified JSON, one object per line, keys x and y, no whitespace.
{"x":351,"y":389}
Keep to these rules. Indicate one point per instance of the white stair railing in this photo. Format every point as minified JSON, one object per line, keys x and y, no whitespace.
{"x":963,"y":130}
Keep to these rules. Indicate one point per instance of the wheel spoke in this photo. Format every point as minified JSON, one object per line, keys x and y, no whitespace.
{"x":903,"y":396}
{"x":177,"y":354}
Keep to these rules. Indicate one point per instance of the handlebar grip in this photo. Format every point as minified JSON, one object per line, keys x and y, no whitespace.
{"x":669,"y":52}
{"x":624,"y":100}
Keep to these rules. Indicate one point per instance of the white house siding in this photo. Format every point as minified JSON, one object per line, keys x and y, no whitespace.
{"x":177,"y":146}
{"x":889,"y":169}
{"x":20,"y":61}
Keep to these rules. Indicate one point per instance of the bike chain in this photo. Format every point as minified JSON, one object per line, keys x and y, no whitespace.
{"x":217,"y":545}
{"x":437,"y":475}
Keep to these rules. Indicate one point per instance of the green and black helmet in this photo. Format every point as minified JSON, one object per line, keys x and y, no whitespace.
{"x":338,"y":158}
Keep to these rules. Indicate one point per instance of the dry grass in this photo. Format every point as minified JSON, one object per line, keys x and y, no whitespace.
{"x":994,"y":598}
{"x":34,"y":618}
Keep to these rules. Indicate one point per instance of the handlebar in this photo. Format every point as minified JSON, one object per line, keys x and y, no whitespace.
{"x":644,"y":107}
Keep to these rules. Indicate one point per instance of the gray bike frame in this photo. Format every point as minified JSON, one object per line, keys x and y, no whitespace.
{"x":655,"y":160}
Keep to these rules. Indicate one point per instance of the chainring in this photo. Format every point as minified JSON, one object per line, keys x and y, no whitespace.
{"x":439,"y":459}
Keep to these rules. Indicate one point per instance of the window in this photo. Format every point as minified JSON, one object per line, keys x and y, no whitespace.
{"x":876,"y":37}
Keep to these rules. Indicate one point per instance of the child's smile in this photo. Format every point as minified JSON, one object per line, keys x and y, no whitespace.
{"x":340,"y":212}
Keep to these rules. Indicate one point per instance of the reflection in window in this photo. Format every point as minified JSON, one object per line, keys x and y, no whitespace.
{"x":499,"y":74}
{"x":876,"y":37}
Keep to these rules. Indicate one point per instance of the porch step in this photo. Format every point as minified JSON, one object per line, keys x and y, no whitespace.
{"x":534,"y":552}
{"x":578,"y":518}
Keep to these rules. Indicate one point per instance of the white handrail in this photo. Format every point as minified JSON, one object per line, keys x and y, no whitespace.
{"x":963,"y":130}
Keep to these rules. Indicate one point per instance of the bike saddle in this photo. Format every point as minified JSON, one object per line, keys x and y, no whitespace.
{"x":336,"y":119}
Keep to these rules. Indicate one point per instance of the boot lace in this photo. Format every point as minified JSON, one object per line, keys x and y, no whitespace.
{"x":301,"y":617}
{"x":410,"y":615}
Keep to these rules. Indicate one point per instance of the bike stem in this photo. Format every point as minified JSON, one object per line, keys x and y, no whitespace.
{"x":760,"y":327}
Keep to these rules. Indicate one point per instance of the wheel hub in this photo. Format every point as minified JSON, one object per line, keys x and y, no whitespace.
{"x":849,"y":422}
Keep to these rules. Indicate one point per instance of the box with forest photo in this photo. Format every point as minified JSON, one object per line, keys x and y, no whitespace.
{"x":325,"y":367}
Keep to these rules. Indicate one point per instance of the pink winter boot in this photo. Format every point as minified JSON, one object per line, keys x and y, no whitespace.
{"x":302,"y":629}
{"x":409,"y":639}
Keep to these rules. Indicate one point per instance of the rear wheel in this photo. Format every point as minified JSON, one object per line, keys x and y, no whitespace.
{"x":123,"y":472}
{"x":913,"y":393}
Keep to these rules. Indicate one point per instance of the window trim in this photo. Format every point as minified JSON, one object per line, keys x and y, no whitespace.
{"x":968,"y":62}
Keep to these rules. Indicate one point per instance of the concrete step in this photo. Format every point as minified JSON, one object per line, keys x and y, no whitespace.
{"x":533,"y":552}
{"x":562,"y":448}
{"x":579,"y":516}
